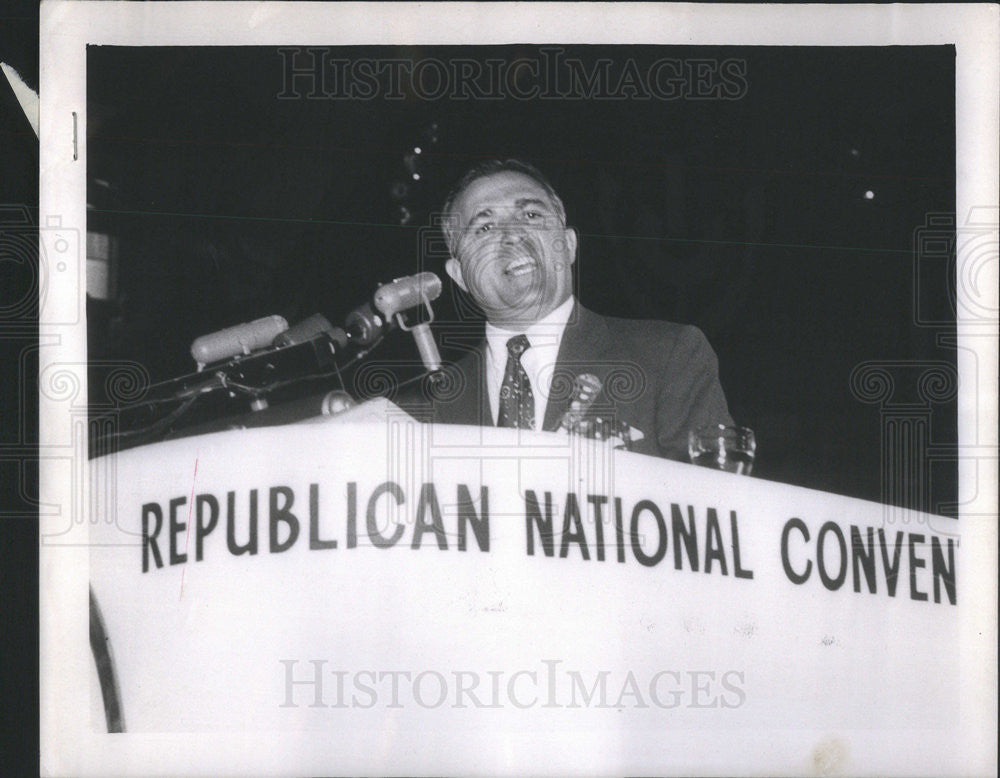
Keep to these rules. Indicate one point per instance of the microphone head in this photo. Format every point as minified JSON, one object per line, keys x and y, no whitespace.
{"x":338,"y":336}
{"x":364,"y":325}
{"x":336,"y":402}
{"x":307,"y":329}
{"x":240,"y":339}
{"x":407,"y":292}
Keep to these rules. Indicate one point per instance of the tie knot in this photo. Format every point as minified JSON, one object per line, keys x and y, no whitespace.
{"x":518,"y":345}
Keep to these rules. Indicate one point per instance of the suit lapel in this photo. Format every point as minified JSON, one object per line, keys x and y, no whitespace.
{"x":586,"y":347}
{"x":472,"y":404}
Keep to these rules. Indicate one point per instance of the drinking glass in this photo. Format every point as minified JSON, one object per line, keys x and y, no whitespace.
{"x":723,"y":447}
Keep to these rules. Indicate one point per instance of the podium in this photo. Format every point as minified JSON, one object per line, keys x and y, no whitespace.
{"x":380,"y":595}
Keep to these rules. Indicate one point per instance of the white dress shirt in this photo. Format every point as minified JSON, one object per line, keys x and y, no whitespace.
{"x":539,"y":360}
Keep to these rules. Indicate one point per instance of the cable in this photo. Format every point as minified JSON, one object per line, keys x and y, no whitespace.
{"x":160,"y":424}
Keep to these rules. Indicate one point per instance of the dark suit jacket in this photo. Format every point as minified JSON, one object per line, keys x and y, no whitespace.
{"x":658,"y":377}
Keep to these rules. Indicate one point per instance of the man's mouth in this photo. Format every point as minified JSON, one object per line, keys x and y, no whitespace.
{"x":519,"y":267}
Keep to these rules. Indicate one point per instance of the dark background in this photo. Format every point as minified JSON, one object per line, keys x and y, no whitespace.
{"x":746,"y":217}
{"x":19,"y":396}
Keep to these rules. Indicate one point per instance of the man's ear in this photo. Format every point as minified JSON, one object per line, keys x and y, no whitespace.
{"x":454,"y":269}
{"x":570,"y":235}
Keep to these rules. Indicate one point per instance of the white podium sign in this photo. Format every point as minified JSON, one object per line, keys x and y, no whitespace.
{"x":443,"y":598}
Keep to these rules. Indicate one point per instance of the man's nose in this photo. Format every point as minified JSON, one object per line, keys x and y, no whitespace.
{"x":513,"y":231}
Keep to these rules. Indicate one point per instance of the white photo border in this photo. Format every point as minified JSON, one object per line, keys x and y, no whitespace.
{"x":68,"y":744}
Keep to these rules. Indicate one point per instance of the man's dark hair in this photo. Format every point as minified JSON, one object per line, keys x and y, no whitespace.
{"x":491,"y":166}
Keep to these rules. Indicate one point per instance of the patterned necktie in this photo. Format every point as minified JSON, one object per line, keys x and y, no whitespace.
{"x":517,"y":403}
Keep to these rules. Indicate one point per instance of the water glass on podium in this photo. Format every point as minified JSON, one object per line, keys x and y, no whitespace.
{"x":723,"y":447}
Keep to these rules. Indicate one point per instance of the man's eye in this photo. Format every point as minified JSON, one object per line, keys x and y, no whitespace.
{"x":485,"y":227}
{"x":533,"y":214}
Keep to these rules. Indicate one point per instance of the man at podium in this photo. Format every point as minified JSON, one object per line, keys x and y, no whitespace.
{"x":544,"y":354}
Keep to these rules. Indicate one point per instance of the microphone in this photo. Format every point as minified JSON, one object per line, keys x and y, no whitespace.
{"x":336,"y":401}
{"x":586,"y":387}
{"x":409,"y":292}
{"x":364,"y":326}
{"x":310,"y":328}
{"x":239,"y":339}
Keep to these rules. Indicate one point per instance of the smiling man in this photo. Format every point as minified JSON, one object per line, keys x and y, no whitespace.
{"x":513,"y":254}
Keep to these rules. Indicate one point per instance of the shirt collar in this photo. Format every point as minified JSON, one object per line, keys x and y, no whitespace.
{"x":546,"y":332}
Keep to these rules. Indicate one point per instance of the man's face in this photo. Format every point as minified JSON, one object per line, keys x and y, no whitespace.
{"x":511,"y":251}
